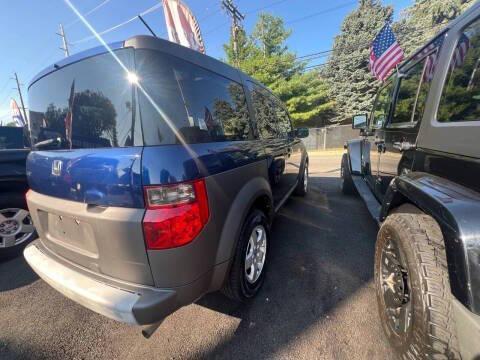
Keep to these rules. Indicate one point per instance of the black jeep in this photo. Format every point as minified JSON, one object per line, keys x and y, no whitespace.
{"x":16,"y":227}
{"x":417,"y":166}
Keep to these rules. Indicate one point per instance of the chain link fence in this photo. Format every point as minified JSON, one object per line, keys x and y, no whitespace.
{"x":332,"y":137}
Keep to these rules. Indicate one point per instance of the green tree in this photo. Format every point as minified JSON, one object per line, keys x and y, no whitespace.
{"x":352,"y":85}
{"x":421,"y":21}
{"x":265,"y":56}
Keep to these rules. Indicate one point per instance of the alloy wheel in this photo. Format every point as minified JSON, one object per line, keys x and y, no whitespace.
{"x":255,"y":254}
{"x":395,"y":285}
{"x":305,"y":178}
{"x":16,"y":227}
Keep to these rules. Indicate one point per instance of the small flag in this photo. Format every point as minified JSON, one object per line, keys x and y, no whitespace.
{"x":460,"y":51}
{"x":69,"y":117}
{"x":431,"y":61}
{"x":182,"y":25}
{"x":385,"y":53}
{"x":16,"y":114}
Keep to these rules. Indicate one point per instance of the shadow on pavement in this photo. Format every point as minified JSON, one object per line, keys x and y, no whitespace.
{"x":322,"y":252}
{"x":15,"y":273}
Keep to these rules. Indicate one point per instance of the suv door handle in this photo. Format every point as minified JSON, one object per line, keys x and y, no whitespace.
{"x":403,"y":146}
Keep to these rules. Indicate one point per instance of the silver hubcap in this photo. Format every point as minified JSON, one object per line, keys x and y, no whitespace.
{"x":15,"y":227}
{"x":255,"y":254}
{"x":305,"y":179}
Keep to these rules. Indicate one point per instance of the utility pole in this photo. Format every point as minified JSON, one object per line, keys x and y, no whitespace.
{"x":21,"y":101}
{"x":236,"y":16}
{"x":64,"y":41}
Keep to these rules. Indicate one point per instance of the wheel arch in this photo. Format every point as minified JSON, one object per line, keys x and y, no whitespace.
{"x":256,"y":193}
{"x":354,"y":155}
{"x":456,"y":210}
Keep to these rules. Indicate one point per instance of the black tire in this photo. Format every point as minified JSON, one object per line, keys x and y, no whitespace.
{"x":348,"y":188}
{"x":430,"y":331}
{"x":16,"y":201}
{"x":302,"y":186}
{"x":237,"y":287}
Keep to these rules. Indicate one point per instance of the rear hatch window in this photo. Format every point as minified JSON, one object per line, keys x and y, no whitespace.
{"x":85,"y":130}
{"x":89,"y":104}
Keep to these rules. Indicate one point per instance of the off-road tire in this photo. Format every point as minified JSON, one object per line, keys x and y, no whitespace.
{"x":432,"y":333}
{"x":301,"y":189}
{"x":237,"y":286}
{"x":348,"y":188}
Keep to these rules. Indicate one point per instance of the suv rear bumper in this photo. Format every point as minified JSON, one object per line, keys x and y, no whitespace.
{"x":140,"y":305}
{"x":468,"y":331}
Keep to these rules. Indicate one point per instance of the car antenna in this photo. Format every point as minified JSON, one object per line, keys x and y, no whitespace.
{"x":146,"y":25}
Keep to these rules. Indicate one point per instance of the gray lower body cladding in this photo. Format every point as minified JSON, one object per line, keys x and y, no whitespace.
{"x":99,"y":259}
{"x":119,"y":300}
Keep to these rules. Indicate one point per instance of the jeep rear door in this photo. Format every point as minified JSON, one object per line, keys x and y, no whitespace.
{"x":399,"y":135}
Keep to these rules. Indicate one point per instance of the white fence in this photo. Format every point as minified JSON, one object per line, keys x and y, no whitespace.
{"x":329,"y":137}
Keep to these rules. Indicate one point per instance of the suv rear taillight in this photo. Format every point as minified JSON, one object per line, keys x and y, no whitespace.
{"x":175,"y":214}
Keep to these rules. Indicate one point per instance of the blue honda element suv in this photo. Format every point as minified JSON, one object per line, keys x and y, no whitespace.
{"x":155,"y":177}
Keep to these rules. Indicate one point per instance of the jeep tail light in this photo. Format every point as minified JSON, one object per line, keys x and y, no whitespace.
{"x":175,"y":214}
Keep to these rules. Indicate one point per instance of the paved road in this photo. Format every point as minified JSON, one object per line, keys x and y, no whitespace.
{"x":317,"y":303}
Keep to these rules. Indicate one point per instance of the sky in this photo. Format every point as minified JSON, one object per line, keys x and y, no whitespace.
{"x":28,"y":30}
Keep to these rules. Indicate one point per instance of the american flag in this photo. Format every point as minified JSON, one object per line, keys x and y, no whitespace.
{"x":460,"y":52}
{"x":182,"y":26}
{"x":458,"y":58}
{"x":69,"y":117}
{"x":385,"y":53}
{"x":431,"y":61}
{"x":16,"y":114}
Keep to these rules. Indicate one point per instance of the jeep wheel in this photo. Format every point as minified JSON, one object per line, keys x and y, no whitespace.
{"x":16,"y":226}
{"x":248,"y":268}
{"x":302,"y":186}
{"x":347,"y":186}
{"x":412,"y":286}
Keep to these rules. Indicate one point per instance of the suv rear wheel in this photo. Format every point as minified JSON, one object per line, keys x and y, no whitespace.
{"x":248,"y":268}
{"x":347,"y":186}
{"x":302,"y":186}
{"x":412,"y":286}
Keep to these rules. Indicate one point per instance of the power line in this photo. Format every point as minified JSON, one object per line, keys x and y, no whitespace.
{"x":321,"y":12}
{"x":148,"y":11}
{"x":265,"y":7}
{"x":91,"y":11}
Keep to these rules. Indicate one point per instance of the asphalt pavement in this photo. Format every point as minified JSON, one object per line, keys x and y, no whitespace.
{"x":318,"y":301}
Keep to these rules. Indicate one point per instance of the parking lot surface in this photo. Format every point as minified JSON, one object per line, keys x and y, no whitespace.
{"x":318,"y":301}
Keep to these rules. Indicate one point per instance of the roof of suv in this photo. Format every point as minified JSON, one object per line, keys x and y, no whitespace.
{"x":152,"y":43}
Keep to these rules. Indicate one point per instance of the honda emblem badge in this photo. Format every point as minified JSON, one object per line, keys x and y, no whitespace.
{"x":57,"y":167}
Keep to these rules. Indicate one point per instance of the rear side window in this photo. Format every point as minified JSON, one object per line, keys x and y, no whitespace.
{"x":461,"y":94}
{"x":266,"y":109}
{"x":381,"y":107}
{"x":188,"y":103}
{"x":412,"y":94}
{"x":88,"y":104}
{"x":284,"y":124}
{"x":13,"y":138}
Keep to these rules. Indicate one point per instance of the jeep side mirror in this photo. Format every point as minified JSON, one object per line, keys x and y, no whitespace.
{"x":359,"y":121}
{"x":302,"y":132}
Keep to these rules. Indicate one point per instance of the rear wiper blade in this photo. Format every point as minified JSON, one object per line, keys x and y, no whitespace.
{"x":54,"y":141}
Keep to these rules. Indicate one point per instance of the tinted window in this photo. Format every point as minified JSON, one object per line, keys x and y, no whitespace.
{"x":265,"y":106}
{"x":191,"y":104}
{"x":461,"y":95}
{"x":412,"y":94}
{"x":284,"y":124}
{"x":87,"y":104}
{"x":13,"y":138}
{"x":381,"y":108}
